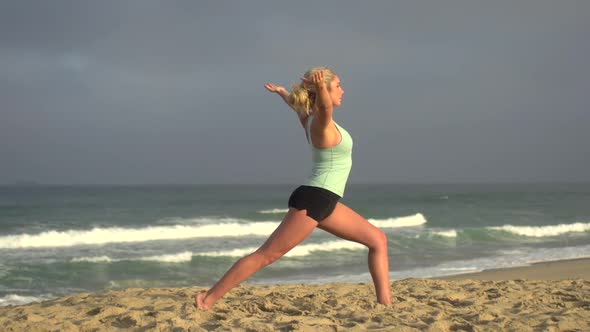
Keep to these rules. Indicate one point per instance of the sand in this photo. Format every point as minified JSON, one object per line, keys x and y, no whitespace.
{"x":550,"y":296}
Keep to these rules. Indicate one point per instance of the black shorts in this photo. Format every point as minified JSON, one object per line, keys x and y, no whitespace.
{"x":318,"y":202}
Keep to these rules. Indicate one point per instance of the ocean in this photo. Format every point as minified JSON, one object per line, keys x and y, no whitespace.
{"x":59,"y":240}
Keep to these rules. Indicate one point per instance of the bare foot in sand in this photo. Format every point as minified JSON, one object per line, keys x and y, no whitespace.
{"x":200,"y":301}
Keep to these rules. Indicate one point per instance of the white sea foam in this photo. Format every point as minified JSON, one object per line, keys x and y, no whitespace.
{"x":117,"y":234}
{"x":200,"y":220}
{"x":186,"y":256}
{"x":273,"y":211}
{"x":301,"y":250}
{"x":408,"y":221}
{"x":97,"y":259}
{"x":182,"y":257}
{"x":15,"y":299}
{"x":450,"y":233}
{"x":459,"y":269}
{"x":225,"y":228}
{"x":544,"y":231}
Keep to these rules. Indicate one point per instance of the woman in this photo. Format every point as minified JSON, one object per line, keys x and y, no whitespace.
{"x":315,"y":204}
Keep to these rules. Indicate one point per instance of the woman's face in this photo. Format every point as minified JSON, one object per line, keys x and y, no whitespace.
{"x":336,"y":92}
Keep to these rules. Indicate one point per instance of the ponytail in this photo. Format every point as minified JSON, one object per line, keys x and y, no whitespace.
{"x":301,"y":99}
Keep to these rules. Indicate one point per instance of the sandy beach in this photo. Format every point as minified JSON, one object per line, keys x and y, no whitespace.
{"x":549,"y":296}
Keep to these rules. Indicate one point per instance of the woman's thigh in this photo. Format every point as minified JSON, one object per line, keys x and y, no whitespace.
{"x":295,"y":227}
{"x":345,"y":223}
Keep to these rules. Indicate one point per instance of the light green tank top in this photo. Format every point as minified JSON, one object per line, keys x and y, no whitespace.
{"x":331,"y":166}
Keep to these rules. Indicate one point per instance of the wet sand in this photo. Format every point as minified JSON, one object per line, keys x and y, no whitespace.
{"x":553,"y":270}
{"x":549,"y":296}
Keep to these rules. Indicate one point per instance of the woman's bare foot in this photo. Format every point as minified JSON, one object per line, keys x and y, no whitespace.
{"x":385,"y":299}
{"x":200,"y":301}
{"x":385,"y":302}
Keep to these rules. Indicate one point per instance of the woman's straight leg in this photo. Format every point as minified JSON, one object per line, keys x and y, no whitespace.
{"x":349,"y":225}
{"x":295,"y":227}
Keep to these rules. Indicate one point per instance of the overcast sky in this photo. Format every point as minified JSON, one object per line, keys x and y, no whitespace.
{"x":134,"y":92}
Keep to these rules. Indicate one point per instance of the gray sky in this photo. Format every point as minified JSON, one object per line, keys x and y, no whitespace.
{"x":133,"y":92}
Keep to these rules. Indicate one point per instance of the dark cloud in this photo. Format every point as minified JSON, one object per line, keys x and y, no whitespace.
{"x":151,"y":91}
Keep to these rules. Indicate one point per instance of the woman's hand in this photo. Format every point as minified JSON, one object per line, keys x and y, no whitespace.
{"x":317,"y":80}
{"x":275,"y":88}
{"x":281,"y":91}
{"x":323,"y":102}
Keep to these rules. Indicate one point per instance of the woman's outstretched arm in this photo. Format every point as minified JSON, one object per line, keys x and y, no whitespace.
{"x":281,"y":91}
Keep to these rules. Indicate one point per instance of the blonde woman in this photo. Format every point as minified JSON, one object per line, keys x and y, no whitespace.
{"x":316,"y":202}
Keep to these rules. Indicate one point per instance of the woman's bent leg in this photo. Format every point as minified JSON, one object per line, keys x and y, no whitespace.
{"x":295,"y":227}
{"x":347,"y":224}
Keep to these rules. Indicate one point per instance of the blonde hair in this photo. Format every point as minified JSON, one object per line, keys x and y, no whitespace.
{"x":302,"y":96}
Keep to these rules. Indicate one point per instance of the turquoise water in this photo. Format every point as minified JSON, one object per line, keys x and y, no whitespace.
{"x":58,"y":240}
